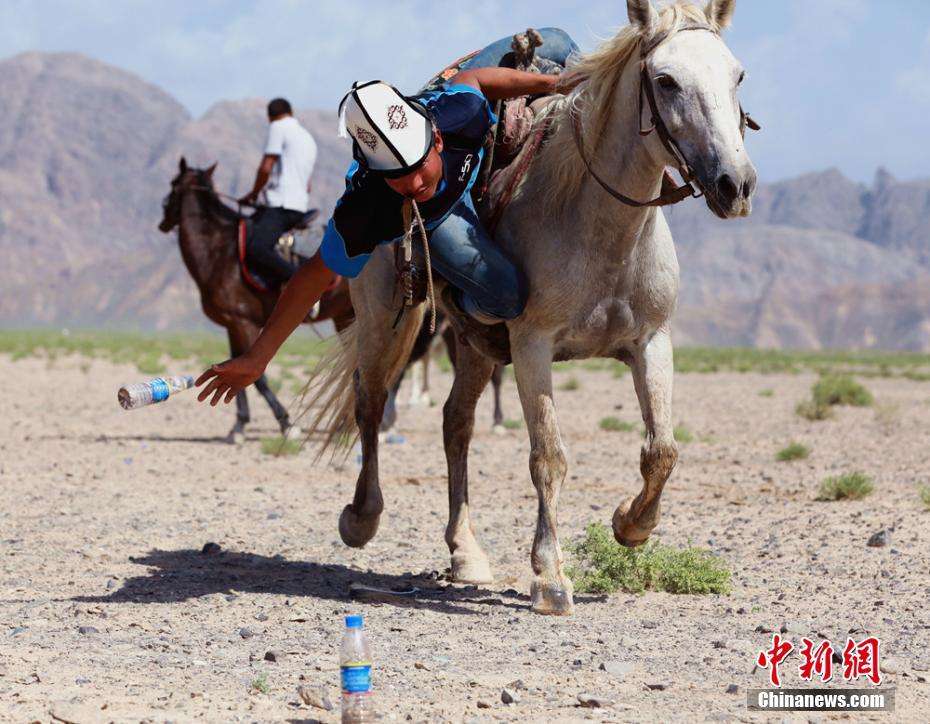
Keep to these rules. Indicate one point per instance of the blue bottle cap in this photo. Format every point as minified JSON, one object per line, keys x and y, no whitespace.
{"x":353,"y":621}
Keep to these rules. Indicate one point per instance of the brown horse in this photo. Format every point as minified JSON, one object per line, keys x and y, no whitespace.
{"x":207,"y":235}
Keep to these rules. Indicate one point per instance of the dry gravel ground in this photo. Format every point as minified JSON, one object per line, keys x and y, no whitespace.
{"x":108,"y":610}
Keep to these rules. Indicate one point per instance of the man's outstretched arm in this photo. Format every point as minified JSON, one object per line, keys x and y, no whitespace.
{"x":502,"y":83}
{"x":300,"y":294}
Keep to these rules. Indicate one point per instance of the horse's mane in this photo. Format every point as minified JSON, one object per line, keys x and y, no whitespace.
{"x":598,"y":73}
{"x":212,"y":202}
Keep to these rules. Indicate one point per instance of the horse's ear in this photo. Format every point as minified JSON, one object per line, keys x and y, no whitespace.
{"x":720,"y":13}
{"x":643,"y":16}
{"x":182,"y":165}
{"x":209,"y":171}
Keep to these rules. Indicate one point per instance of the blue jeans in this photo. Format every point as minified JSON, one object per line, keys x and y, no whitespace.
{"x":486,"y":280}
{"x":557,"y":46}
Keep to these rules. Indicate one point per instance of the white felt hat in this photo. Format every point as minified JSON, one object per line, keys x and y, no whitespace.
{"x":392,"y":134}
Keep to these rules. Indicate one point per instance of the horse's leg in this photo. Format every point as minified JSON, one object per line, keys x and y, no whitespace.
{"x":238,"y":343}
{"x":497,"y":378}
{"x":469,"y":562}
{"x":635,"y":518}
{"x":280,"y":413}
{"x":381,"y":355}
{"x":532,"y":360}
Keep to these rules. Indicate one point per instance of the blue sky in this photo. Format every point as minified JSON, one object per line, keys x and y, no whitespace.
{"x":842,"y":83}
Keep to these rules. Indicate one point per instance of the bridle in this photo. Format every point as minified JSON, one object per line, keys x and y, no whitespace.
{"x":204,"y":187}
{"x":692,"y":186}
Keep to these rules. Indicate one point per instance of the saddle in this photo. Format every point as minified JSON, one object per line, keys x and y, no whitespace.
{"x":295,"y":246}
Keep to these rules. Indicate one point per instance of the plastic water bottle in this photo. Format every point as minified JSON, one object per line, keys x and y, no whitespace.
{"x":132,"y":397}
{"x":355,"y":665}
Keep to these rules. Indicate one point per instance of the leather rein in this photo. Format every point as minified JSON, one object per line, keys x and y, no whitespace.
{"x":692,"y":186}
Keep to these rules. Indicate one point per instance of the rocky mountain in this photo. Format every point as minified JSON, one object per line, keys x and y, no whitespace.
{"x":87,"y":152}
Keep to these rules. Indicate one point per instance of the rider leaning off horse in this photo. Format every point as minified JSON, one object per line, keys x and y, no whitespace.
{"x":426,"y":148}
{"x":284,"y":175}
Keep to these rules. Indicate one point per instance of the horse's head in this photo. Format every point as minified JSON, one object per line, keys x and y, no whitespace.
{"x":187,"y":179}
{"x":695,"y":80}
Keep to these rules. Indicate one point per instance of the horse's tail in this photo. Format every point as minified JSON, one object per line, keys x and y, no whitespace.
{"x":328,"y":398}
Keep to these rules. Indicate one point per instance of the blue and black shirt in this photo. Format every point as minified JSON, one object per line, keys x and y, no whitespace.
{"x":369,"y":212}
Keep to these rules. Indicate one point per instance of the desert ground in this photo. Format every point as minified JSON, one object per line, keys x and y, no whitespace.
{"x":110,"y":611}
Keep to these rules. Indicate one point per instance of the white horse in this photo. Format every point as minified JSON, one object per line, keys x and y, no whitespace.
{"x":603,"y":276}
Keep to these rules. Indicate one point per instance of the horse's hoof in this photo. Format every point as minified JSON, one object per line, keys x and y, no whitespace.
{"x":235,"y":437}
{"x":550,"y":599}
{"x":355,"y":530}
{"x":499,"y":429}
{"x":626,"y":531}
{"x":292,"y":432}
{"x":471,"y":569}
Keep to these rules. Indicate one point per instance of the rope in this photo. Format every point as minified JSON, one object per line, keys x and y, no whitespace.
{"x":407,"y":243}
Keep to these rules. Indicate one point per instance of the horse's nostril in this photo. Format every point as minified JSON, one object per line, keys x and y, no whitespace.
{"x":726,"y":188}
{"x":746,"y":189}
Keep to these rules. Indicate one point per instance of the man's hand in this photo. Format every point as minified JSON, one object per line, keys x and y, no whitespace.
{"x":229,"y":378}
{"x":249,"y":199}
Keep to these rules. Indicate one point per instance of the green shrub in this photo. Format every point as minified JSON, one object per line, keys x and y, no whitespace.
{"x":840,"y":390}
{"x":794,"y":451}
{"x":280,"y":446}
{"x":570,"y":385}
{"x":603,"y":566}
{"x":682,"y":434}
{"x":767,"y":392}
{"x":513,"y":424}
{"x":925,"y":496}
{"x":849,"y":486}
{"x":810,"y":410}
{"x":260,"y":683}
{"x":615,"y":424}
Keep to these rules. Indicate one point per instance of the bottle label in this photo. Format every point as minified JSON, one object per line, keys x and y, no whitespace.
{"x":160,"y":390}
{"x":356,"y":678}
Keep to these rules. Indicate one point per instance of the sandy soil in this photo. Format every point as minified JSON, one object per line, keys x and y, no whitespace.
{"x":109,"y":611}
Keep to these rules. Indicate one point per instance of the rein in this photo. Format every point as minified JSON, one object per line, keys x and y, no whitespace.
{"x":692,"y":186}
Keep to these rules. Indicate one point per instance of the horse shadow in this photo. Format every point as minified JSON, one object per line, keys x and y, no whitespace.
{"x":181,"y":575}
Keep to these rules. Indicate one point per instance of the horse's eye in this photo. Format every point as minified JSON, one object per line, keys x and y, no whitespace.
{"x":666,"y":82}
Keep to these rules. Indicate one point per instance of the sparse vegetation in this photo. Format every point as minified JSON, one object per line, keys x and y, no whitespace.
{"x":794,"y":451}
{"x":681,"y":433}
{"x":833,"y":390}
{"x":767,"y":392}
{"x":840,"y":390}
{"x":260,"y":683}
{"x":925,"y":496}
{"x":615,"y":424}
{"x":810,"y":410}
{"x":887,"y":415}
{"x":849,"y":486}
{"x":570,"y":385}
{"x":280,"y":446}
{"x":513,"y":424}
{"x":603,"y":566}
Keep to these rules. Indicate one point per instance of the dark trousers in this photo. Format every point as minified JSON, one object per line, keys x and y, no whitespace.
{"x":268,"y":224}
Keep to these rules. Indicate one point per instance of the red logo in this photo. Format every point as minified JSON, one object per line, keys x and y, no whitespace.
{"x":774,"y":656}
{"x":860,"y":659}
{"x":819,"y":662}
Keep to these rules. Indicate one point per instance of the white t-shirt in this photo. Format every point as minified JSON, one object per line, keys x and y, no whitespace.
{"x":296,"y":152}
